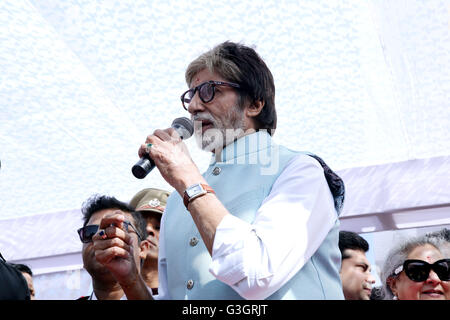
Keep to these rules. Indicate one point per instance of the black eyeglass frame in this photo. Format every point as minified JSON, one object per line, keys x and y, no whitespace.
{"x":126,"y":223}
{"x":213,"y":85}
{"x":425,"y":272}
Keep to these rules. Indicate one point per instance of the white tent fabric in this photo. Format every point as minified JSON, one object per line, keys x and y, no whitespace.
{"x":363,"y":84}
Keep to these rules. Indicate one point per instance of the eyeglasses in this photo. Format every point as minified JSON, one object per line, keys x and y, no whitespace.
{"x":206,"y":92}
{"x":87,"y":232}
{"x":418,"y":270}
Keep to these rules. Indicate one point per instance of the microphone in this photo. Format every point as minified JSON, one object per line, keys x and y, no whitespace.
{"x":183,"y":126}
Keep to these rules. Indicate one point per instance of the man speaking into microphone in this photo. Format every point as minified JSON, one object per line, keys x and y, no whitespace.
{"x":262,"y":221}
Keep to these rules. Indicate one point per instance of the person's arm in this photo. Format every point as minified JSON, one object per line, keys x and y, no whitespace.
{"x":136,"y":289}
{"x":115,"y":252}
{"x":256,"y":259}
{"x":176,"y":166}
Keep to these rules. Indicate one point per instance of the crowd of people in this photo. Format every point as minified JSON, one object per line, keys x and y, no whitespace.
{"x":422,"y":259}
{"x":261,"y":223}
{"x":414,"y":269}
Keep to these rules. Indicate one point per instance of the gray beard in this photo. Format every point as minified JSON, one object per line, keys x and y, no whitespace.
{"x":214,"y":140}
{"x":220,"y":135}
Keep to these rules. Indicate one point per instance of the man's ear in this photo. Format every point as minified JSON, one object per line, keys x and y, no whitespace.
{"x":144,"y":247}
{"x":254,"y":108}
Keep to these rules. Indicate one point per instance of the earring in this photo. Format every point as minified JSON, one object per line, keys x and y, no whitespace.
{"x":394,"y":298}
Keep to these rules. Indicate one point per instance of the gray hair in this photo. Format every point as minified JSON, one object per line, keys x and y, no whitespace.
{"x":399,"y":254}
{"x":241,"y":64}
{"x":444,"y":235}
{"x":213,"y":62}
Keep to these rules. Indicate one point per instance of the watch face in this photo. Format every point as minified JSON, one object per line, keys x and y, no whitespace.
{"x":192,"y":191}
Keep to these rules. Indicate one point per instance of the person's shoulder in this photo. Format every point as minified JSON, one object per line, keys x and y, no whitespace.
{"x":303,"y":160}
{"x":13,"y":285}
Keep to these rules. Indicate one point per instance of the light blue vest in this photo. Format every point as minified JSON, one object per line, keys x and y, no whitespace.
{"x":241,"y":180}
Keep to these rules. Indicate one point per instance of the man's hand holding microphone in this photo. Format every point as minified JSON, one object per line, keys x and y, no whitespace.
{"x":166,"y":150}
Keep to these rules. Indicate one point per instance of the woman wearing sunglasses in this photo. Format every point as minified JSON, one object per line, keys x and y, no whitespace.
{"x":417,"y":270}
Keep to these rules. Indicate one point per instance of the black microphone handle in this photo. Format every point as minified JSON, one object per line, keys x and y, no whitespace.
{"x":143,"y":167}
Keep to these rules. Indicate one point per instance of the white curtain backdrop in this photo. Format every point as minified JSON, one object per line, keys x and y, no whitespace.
{"x":363,"y":84}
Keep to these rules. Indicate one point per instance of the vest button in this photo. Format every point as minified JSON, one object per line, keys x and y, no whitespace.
{"x":190,"y":284}
{"x":216,"y":171}
{"x":193,"y":241}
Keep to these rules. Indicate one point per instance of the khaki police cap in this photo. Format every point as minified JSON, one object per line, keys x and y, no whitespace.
{"x":150,"y":199}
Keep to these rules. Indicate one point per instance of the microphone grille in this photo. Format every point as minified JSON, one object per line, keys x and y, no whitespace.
{"x":186,"y":124}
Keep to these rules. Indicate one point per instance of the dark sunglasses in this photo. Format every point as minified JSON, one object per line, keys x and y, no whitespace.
{"x":87,"y":232}
{"x":418,"y":270}
{"x":206,"y":91}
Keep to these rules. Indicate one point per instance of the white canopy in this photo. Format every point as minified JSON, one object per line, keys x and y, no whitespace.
{"x":363,"y":84}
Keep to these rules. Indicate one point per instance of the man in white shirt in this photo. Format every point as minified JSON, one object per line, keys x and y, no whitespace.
{"x":262,"y":221}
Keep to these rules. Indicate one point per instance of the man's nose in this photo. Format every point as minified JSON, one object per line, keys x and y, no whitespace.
{"x":150,"y":231}
{"x":371,"y":279}
{"x":196,"y":105}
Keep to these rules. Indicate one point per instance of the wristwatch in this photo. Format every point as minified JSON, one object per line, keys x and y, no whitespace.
{"x":195,"y":191}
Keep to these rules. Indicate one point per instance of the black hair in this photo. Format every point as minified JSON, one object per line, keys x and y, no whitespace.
{"x":443,"y":234}
{"x":257,"y":81}
{"x":98,"y":202}
{"x":22,"y":268}
{"x":377,"y":293}
{"x":353,"y":241}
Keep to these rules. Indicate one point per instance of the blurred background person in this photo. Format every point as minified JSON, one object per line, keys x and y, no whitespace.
{"x":417,"y":269}
{"x":444,"y":235}
{"x":105,"y":286}
{"x":13,"y":285}
{"x":355,"y":273}
{"x":151,"y":202}
{"x":28,"y":275}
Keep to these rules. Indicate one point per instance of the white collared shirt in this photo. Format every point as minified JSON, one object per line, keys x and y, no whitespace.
{"x":256,"y":259}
